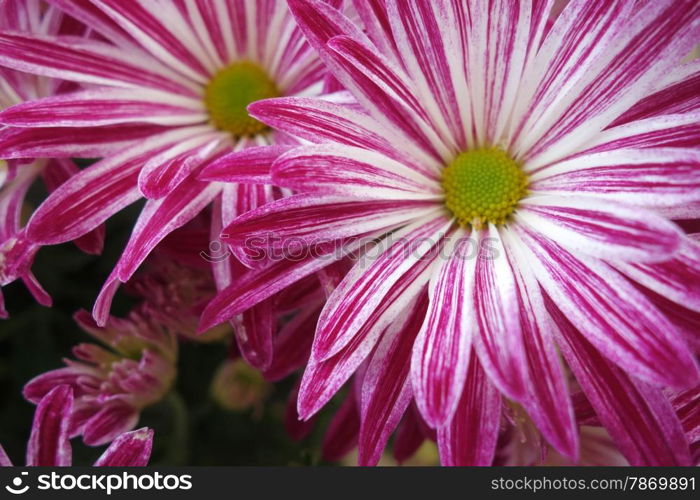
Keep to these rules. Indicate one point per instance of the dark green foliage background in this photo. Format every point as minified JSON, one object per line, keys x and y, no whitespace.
{"x":35,"y":339}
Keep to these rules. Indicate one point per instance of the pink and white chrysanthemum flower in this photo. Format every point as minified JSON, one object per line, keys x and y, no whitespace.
{"x":17,"y":176}
{"x":547,"y":164}
{"x":134,"y":368}
{"x":49,"y":441}
{"x":168,"y":90}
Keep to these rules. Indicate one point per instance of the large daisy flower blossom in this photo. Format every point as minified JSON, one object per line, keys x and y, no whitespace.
{"x":519,"y":180}
{"x":166,"y":85}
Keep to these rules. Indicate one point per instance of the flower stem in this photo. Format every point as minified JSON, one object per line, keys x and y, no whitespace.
{"x":178,"y":446}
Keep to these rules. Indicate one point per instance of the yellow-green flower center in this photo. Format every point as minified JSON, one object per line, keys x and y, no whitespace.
{"x":483,"y":185}
{"x":231,"y":90}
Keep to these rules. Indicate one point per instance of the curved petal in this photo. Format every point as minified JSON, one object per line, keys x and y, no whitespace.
{"x":498,"y":339}
{"x":601,"y":228}
{"x":639,"y":419}
{"x":49,"y":445}
{"x":441,"y":352}
{"x":131,"y":449}
{"x":386,"y":386}
{"x":615,"y":317}
{"x":373,"y":278}
{"x":470,"y":437}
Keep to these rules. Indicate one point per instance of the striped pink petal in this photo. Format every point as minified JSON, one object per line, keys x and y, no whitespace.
{"x":94,"y":108}
{"x":131,"y":449}
{"x":161,"y":217}
{"x":112,"y":420}
{"x":601,"y":228}
{"x":253,"y":330}
{"x":371,"y":280}
{"x":470,"y":437}
{"x":675,"y":93}
{"x":441,"y":352}
{"x":652,"y":178}
{"x":252,"y":165}
{"x":547,"y":399}
{"x":615,"y":317}
{"x":498,"y":339}
{"x":321,"y":121}
{"x":85,"y":61}
{"x":639,"y":419}
{"x":256,"y":286}
{"x":292,"y":345}
{"x":386,"y":385}
{"x":72,"y":142}
{"x":677,"y":279}
{"x":641,"y":53}
{"x":48,"y":444}
{"x":351,"y":171}
{"x":303,"y":220}
{"x":323,"y":379}
{"x":94,"y":194}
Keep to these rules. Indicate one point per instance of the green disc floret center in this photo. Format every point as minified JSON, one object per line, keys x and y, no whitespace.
{"x":483,"y":186}
{"x":229,"y":93}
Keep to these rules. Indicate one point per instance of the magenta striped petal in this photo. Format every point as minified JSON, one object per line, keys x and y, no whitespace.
{"x":95,"y":108}
{"x":252,"y":165}
{"x":342,"y":433}
{"x":321,"y":121}
{"x":303,"y":220}
{"x":165,"y":171}
{"x":48,"y":444}
{"x":639,"y":419}
{"x":92,"y":16}
{"x":56,"y":173}
{"x":642,"y":52}
{"x":615,"y":317}
{"x":147,"y":24}
{"x":659,"y":177}
{"x":85,"y":61}
{"x":323,"y":379}
{"x":72,"y":142}
{"x":108,"y":423}
{"x":665,"y":131}
{"x":103,"y":303}
{"x":601,"y":228}
{"x":131,"y":449}
{"x":93,"y":195}
{"x":677,"y":279}
{"x":547,"y":400}
{"x":350,"y":171}
{"x":386,"y":386}
{"x":256,"y":286}
{"x":4,"y":459}
{"x":498,"y":339}
{"x":384,"y":91}
{"x":441,"y":352}
{"x":470,"y":438}
{"x":161,"y":217}
{"x":434,"y":62}
{"x":253,"y":330}
{"x":372,"y":279}
{"x":292,"y":345}
{"x":676,"y":93}
{"x":564,"y":58}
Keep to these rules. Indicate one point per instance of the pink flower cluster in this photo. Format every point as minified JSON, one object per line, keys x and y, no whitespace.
{"x":475,"y":220}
